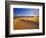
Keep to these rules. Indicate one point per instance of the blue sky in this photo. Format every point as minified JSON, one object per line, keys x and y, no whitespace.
{"x":25,"y":12}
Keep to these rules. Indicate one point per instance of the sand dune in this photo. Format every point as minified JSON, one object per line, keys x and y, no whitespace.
{"x":26,"y":22}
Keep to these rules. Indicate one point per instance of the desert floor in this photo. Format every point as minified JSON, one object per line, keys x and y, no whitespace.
{"x":26,"y":22}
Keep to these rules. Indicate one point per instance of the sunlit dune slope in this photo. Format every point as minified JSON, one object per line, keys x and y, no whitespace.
{"x":34,"y":19}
